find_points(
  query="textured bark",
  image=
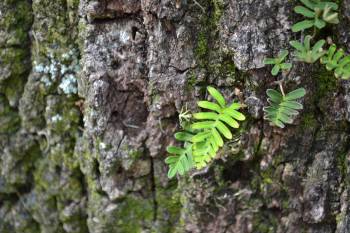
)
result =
(90, 92)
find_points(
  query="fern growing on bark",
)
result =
(278, 63)
(283, 108)
(337, 61)
(204, 137)
(318, 14)
(306, 53)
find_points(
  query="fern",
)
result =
(180, 159)
(282, 107)
(305, 53)
(203, 138)
(319, 13)
(213, 126)
(278, 63)
(337, 61)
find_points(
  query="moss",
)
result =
(169, 207)
(208, 33)
(224, 69)
(325, 83)
(16, 60)
(133, 215)
(264, 222)
(342, 165)
(9, 118)
(308, 121)
(217, 63)
(16, 21)
(202, 49)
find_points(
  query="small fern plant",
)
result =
(305, 53)
(318, 14)
(205, 135)
(283, 108)
(278, 63)
(337, 61)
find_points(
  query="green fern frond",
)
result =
(180, 160)
(204, 137)
(318, 14)
(213, 126)
(278, 63)
(305, 53)
(283, 108)
(337, 60)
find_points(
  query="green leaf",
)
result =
(292, 105)
(174, 150)
(297, 45)
(235, 114)
(307, 44)
(234, 106)
(286, 66)
(275, 70)
(282, 55)
(199, 137)
(309, 4)
(217, 96)
(203, 125)
(183, 136)
(318, 47)
(209, 105)
(172, 172)
(228, 120)
(217, 137)
(206, 116)
(269, 61)
(274, 95)
(302, 25)
(319, 23)
(304, 11)
(224, 130)
(331, 5)
(296, 94)
(171, 159)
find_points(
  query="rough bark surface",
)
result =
(90, 92)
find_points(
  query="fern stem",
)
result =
(314, 33)
(281, 88)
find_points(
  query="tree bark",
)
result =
(90, 94)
